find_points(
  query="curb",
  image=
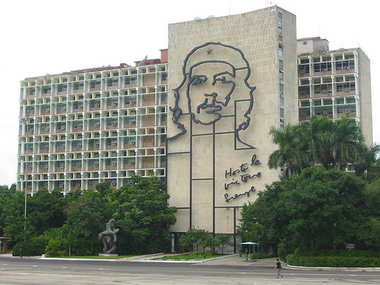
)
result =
(359, 269)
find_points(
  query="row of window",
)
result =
(326, 67)
(99, 75)
(337, 101)
(76, 87)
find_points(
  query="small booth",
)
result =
(250, 247)
(4, 245)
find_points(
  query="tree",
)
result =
(5, 196)
(369, 232)
(13, 219)
(86, 218)
(317, 209)
(201, 238)
(223, 241)
(141, 211)
(370, 163)
(46, 210)
(334, 144)
(290, 155)
(347, 143)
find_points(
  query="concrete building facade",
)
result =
(233, 79)
(334, 83)
(95, 125)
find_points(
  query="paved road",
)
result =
(39, 271)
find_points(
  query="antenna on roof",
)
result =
(143, 61)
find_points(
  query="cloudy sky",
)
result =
(55, 36)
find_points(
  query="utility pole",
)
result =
(25, 215)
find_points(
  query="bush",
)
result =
(32, 247)
(336, 252)
(57, 248)
(332, 261)
(282, 250)
(199, 254)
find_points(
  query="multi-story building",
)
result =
(231, 80)
(334, 83)
(80, 128)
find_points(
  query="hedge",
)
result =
(332, 261)
(32, 247)
(336, 252)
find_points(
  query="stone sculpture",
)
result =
(109, 238)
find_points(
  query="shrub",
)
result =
(282, 250)
(199, 254)
(56, 248)
(336, 252)
(32, 247)
(332, 261)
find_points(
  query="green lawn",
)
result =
(92, 257)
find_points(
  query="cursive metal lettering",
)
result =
(244, 178)
(228, 198)
(231, 183)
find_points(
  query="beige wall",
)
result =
(365, 96)
(211, 152)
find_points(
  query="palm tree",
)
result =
(347, 143)
(315, 134)
(289, 155)
(319, 141)
(369, 160)
(224, 240)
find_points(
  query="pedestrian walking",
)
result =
(278, 268)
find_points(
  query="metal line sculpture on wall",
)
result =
(214, 98)
(206, 70)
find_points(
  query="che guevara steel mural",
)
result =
(214, 89)
(207, 109)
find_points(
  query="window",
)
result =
(281, 64)
(303, 69)
(279, 20)
(164, 76)
(46, 90)
(78, 85)
(130, 80)
(305, 103)
(95, 84)
(327, 102)
(340, 101)
(281, 90)
(280, 50)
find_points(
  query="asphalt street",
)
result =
(43, 271)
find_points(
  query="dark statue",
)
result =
(109, 238)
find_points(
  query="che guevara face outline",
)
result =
(209, 90)
(208, 107)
